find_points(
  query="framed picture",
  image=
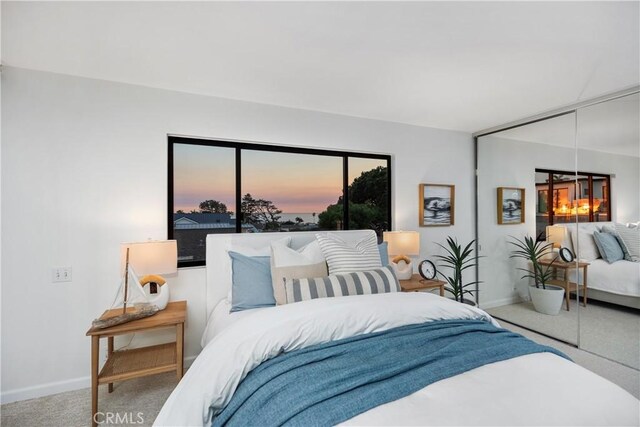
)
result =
(436, 205)
(510, 205)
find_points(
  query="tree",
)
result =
(213, 206)
(371, 188)
(299, 220)
(368, 203)
(361, 216)
(179, 211)
(260, 212)
(328, 219)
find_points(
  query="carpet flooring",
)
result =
(73, 409)
(147, 395)
(605, 329)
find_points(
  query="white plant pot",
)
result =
(547, 301)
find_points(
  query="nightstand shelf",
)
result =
(127, 364)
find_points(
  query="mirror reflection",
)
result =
(524, 282)
(607, 236)
(570, 269)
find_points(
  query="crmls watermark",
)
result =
(119, 418)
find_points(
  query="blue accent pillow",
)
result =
(251, 282)
(383, 248)
(608, 246)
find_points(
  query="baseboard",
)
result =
(500, 302)
(48, 389)
(44, 389)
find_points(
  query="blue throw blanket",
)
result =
(329, 383)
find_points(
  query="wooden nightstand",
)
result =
(417, 283)
(138, 362)
(564, 282)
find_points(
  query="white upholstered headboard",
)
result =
(219, 263)
(587, 227)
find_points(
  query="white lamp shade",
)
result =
(556, 235)
(402, 242)
(152, 257)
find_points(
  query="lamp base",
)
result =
(159, 299)
(403, 269)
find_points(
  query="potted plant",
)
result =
(546, 298)
(457, 260)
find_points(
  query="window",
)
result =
(233, 187)
(563, 197)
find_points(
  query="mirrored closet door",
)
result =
(527, 189)
(607, 239)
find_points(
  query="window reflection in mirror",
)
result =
(563, 198)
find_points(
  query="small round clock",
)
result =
(427, 270)
(566, 254)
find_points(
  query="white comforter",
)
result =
(621, 277)
(535, 389)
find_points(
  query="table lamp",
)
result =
(148, 260)
(556, 235)
(402, 245)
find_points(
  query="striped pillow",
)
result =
(631, 240)
(381, 280)
(344, 258)
(611, 229)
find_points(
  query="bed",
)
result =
(538, 388)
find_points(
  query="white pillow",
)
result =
(283, 256)
(253, 251)
(260, 251)
(631, 239)
(287, 263)
(585, 247)
(345, 258)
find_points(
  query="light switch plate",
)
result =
(61, 274)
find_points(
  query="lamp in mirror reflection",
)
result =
(556, 235)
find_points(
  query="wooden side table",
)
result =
(417, 283)
(568, 286)
(126, 364)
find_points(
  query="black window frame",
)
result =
(239, 146)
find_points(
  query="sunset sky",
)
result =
(295, 183)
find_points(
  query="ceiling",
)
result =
(610, 127)
(452, 65)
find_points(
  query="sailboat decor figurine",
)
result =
(138, 311)
(149, 294)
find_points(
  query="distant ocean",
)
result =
(306, 217)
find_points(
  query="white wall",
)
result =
(510, 163)
(84, 167)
